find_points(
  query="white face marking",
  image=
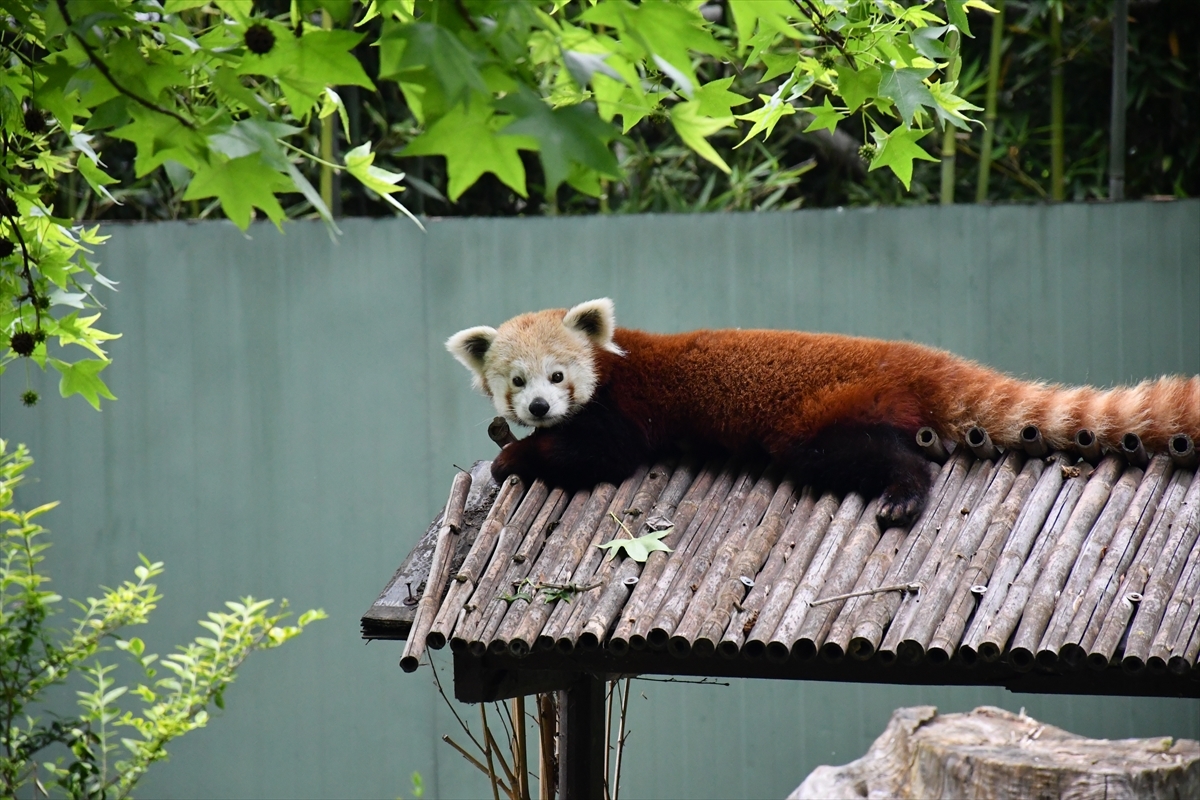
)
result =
(539, 392)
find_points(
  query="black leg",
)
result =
(874, 460)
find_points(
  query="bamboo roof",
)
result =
(1038, 574)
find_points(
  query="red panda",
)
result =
(842, 411)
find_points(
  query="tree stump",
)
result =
(993, 753)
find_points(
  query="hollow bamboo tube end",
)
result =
(435, 640)
(1156, 664)
(968, 654)
(587, 642)
(832, 652)
(476, 649)
(861, 648)
(1087, 445)
(980, 443)
(678, 646)
(1022, 659)
(938, 656)
(910, 652)
(497, 647)
(543, 643)
(409, 663)
(657, 638)
(1032, 441)
(499, 432)
(989, 652)
(728, 649)
(518, 648)
(778, 652)
(1132, 665)
(931, 444)
(637, 642)
(1178, 665)
(1097, 661)
(804, 650)
(1046, 658)
(704, 648)
(1182, 450)
(618, 646)
(565, 646)
(1072, 655)
(1133, 450)
(754, 649)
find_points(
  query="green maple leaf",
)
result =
(906, 87)
(770, 17)
(638, 549)
(83, 378)
(73, 330)
(716, 100)
(305, 66)
(956, 12)
(856, 87)
(564, 136)
(897, 150)
(241, 184)
(692, 126)
(767, 117)
(473, 142)
(949, 105)
(434, 68)
(825, 116)
(160, 138)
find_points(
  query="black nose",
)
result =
(539, 407)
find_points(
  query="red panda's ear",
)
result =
(596, 320)
(471, 346)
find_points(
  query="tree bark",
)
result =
(995, 754)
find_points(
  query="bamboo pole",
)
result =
(576, 556)
(768, 494)
(636, 518)
(484, 598)
(1120, 550)
(1088, 445)
(980, 443)
(645, 605)
(779, 645)
(1053, 575)
(740, 577)
(948, 526)
(777, 594)
(1173, 632)
(1184, 529)
(1056, 103)
(989, 642)
(1133, 450)
(464, 581)
(512, 568)
(517, 627)
(1069, 625)
(619, 586)
(842, 577)
(1032, 441)
(948, 140)
(989, 112)
(688, 578)
(547, 737)
(439, 572)
(1120, 70)
(1111, 632)
(744, 618)
(968, 596)
(631, 607)
(931, 444)
(874, 616)
(1182, 450)
(869, 582)
(520, 759)
(1017, 545)
(929, 606)
(1067, 599)
(1186, 658)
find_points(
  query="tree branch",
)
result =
(107, 73)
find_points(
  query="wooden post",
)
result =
(581, 740)
(1116, 125)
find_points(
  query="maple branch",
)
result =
(107, 73)
(833, 37)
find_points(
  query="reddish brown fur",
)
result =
(778, 387)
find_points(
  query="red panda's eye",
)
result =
(556, 377)
(518, 382)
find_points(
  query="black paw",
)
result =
(900, 505)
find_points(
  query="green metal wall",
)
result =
(288, 423)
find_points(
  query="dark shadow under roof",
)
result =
(1034, 574)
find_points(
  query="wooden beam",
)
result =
(581, 740)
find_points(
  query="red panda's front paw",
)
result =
(900, 505)
(502, 467)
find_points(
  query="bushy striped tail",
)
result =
(1154, 410)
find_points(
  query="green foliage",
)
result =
(638, 548)
(110, 747)
(219, 98)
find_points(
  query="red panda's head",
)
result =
(539, 368)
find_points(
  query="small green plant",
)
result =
(110, 747)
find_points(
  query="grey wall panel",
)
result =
(289, 421)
